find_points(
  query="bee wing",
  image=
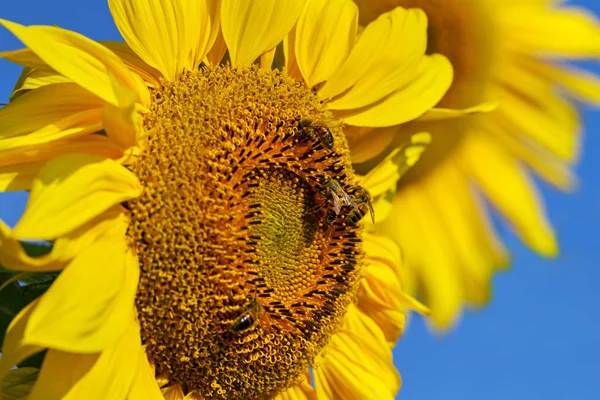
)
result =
(349, 201)
(337, 203)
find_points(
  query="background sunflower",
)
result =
(542, 317)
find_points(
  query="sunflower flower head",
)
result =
(511, 58)
(197, 187)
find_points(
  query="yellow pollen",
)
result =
(243, 277)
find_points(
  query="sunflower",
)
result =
(511, 52)
(197, 189)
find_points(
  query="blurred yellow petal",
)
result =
(427, 254)
(508, 188)
(160, 32)
(71, 190)
(91, 303)
(538, 115)
(580, 83)
(387, 173)
(78, 58)
(251, 28)
(325, 34)
(144, 385)
(568, 32)
(108, 375)
(15, 178)
(436, 114)
(13, 349)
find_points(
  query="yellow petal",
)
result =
(437, 114)
(379, 294)
(160, 32)
(19, 168)
(78, 58)
(136, 65)
(300, 391)
(579, 82)
(325, 33)
(15, 178)
(385, 175)
(217, 52)
(427, 86)
(123, 124)
(468, 234)
(387, 79)
(91, 303)
(251, 28)
(41, 109)
(13, 349)
(71, 190)
(357, 363)
(508, 187)
(69, 127)
(108, 375)
(36, 78)
(25, 57)
(64, 249)
(145, 386)
(428, 257)
(266, 59)
(173, 392)
(531, 108)
(289, 54)
(542, 161)
(564, 32)
(366, 143)
(39, 154)
(205, 30)
(18, 383)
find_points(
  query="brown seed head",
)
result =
(233, 212)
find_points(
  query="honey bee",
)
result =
(363, 204)
(249, 317)
(333, 189)
(313, 129)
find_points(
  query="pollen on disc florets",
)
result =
(233, 216)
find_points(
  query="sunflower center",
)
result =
(247, 266)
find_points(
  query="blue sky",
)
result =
(540, 336)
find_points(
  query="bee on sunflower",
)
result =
(198, 191)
